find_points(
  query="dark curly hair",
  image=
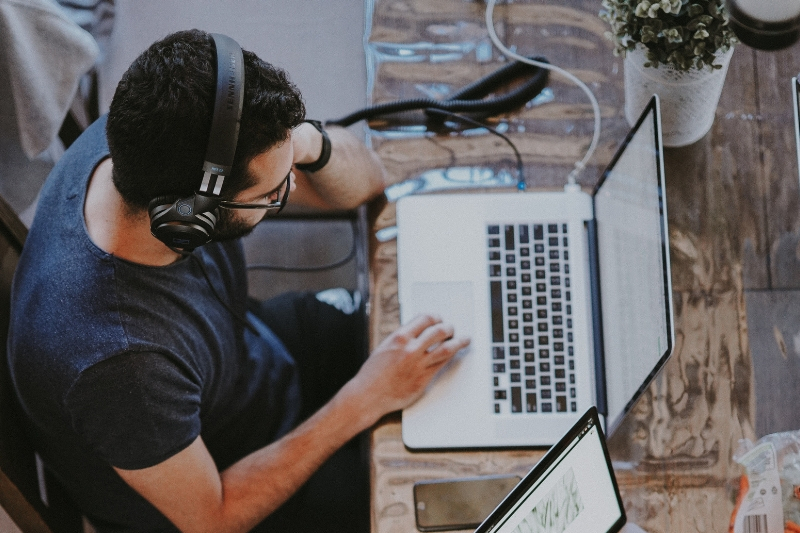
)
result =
(160, 117)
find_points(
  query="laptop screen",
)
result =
(633, 262)
(796, 107)
(572, 489)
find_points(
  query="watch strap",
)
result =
(324, 155)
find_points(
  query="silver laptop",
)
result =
(796, 107)
(566, 297)
(572, 488)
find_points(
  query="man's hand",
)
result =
(400, 368)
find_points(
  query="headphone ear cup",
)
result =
(159, 204)
(183, 223)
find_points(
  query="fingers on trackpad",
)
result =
(451, 300)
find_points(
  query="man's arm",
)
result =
(190, 491)
(353, 175)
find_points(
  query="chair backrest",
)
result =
(21, 481)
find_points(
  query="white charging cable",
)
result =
(579, 165)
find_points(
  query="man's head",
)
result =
(160, 117)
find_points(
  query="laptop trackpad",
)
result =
(451, 300)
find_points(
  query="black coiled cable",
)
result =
(470, 99)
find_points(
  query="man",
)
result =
(148, 388)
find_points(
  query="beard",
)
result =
(229, 227)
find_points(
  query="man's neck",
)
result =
(117, 229)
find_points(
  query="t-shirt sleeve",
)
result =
(136, 410)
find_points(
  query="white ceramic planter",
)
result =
(688, 98)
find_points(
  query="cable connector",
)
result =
(572, 178)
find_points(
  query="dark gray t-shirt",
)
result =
(119, 364)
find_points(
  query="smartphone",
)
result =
(444, 505)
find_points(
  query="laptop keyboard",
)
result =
(533, 364)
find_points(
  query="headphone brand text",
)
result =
(231, 81)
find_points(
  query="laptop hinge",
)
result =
(597, 319)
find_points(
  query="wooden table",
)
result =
(732, 202)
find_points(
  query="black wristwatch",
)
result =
(324, 155)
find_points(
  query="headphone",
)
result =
(183, 224)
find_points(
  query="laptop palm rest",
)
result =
(454, 303)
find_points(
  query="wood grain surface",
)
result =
(732, 204)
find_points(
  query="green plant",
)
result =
(683, 34)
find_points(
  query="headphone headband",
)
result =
(228, 101)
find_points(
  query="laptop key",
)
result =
(509, 234)
(561, 404)
(530, 402)
(516, 399)
(523, 233)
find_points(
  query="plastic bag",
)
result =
(769, 492)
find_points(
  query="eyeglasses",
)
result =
(273, 208)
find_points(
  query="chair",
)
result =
(25, 483)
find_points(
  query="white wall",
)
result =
(319, 42)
